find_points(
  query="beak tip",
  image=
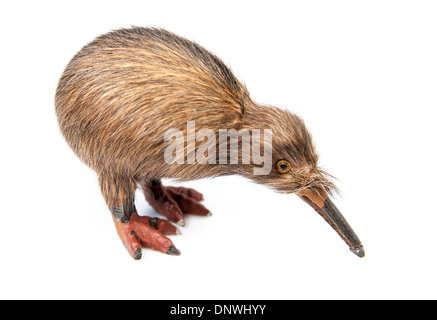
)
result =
(359, 251)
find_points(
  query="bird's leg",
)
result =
(135, 231)
(174, 202)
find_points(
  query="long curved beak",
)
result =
(320, 202)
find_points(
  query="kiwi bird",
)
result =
(119, 95)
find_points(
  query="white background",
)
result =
(363, 74)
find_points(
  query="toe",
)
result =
(164, 203)
(189, 192)
(133, 245)
(153, 239)
(191, 205)
(129, 238)
(162, 225)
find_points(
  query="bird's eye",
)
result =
(283, 166)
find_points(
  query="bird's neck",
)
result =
(257, 116)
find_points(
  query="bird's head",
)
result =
(294, 167)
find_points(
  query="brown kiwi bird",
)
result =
(121, 93)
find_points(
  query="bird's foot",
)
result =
(174, 202)
(146, 232)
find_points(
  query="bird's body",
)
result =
(123, 91)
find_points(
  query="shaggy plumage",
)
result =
(122, 91)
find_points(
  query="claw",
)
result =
(173, 251)
(138, 254)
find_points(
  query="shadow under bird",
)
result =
(122, 91)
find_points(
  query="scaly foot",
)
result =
(174, 202)
(146, 232)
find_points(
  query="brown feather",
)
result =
(124, 90)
